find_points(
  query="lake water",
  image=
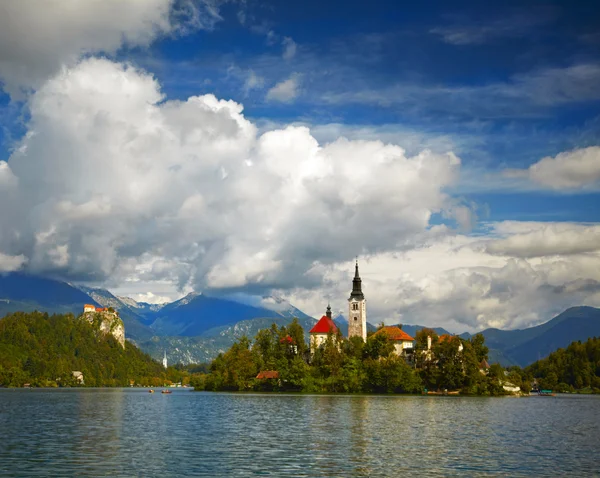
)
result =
(130, 432)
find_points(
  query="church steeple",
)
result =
(357, 308)
(357, 285)
(328, 313)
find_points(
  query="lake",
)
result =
(130, 432)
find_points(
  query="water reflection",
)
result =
(130, 432)
(99, 422)
(360, 437)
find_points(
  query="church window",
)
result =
(355, 318)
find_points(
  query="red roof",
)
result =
(324, 326)
(443, 338)
(484, 364)
(266, 374)
(85, 306)
(395, 333)
(286, 339)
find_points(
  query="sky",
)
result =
(256, 149)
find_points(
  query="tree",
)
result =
(479, 347)
(378, 345)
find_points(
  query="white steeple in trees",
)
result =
(357, 309)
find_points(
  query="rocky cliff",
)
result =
(107, 322)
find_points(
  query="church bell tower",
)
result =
(357, 309)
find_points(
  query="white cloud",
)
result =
(451, 281)
(480, 32)
(527, 239)
(114, 185)
(289, 48)
(568, 170)
(36, 38)
(286, 91)
(114, 182)
(150, 298)
(525, 94)
(11, 263)
(253, 81)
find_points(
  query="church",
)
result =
(357, 316)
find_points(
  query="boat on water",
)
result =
(150, 391)
(543, 393)
(166, 391)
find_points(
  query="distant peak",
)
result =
(188, 298)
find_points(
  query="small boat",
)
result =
(166, 391)
(542, 393)
(546, 393)
(150, 391)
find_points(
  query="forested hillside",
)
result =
(44, 350)
(573, 368)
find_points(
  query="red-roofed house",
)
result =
(444, 337)
(318, 334)
(484, 367)
(268, 375)
(92, 308)
(403, 343)
(291, 344)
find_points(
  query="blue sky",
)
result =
(499, 86)
(495, 82)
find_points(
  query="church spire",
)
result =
(357, 285)
(328, 313)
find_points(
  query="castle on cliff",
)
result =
(107, 320)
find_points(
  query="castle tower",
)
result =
(357, 309)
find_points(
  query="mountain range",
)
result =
(198, 327)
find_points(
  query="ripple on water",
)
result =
(129, 432)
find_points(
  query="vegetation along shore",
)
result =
(40, 350)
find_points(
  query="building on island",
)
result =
(357, 309)
(268, 375)
(325, 326)
(403, 343)
(107, 320)
(92, 308)
(291, 344)
(444, 337)
(78, 376)
(484, 367)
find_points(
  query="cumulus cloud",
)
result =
(568, 170)
(285, 91)
(36, 38)
(112, 181)
(115, 184)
